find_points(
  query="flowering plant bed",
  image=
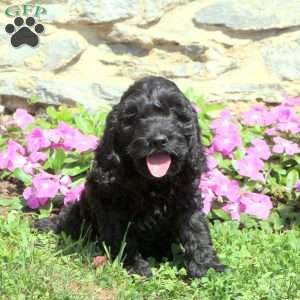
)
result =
(253, 158)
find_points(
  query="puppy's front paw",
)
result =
(218, 267)
(45, 225)
(141, 267)
(198, 270)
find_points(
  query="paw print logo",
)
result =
(24, 33)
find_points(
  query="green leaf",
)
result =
(297, 159)
(249, 135)
(213, 109)
(52, 113)
(22, 176)
(78, 181)
(205, 141)
(291, 178)
(224, 163)
(71, 159)
(285, 210)
(57, 159)
(4, 174)
(74, 171)
(85, 125)
(194, 97)
(239, 153)
(248, 221)
(294, 242)
(45, 211)
(221, 214)
(266, 226)
(43, 124)
(66, 114)
(276, 220)
(278, 169)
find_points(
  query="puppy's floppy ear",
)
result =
(107, 154)
(196, 158)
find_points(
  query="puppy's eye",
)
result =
(130, 111)
(158, 104)
(182, 115)
(129, 114)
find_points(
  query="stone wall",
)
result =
(92, 50)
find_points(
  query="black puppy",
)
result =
(144, 182)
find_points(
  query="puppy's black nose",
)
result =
(159, 140)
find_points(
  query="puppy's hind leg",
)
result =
(69, 220)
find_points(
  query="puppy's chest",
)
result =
(154, 211)
(143, 201)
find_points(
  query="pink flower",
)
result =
(53, 135)
(272, 131)
(30, 167)
(257, 205)
(208, 179)
(234, 208)
(12, 157)
(37, 140)
(65, 184)
(208, 198)
(224, 186)
(260, 149)
(292, 126)
(17, 161)
(211, 162)
(68, 134)
(45, 185)
(68, 138)
(56, 136)
(214, 184)
(38, 156)
(32, 200)
(285, 146)
(284, 114)
(254, 204)
(258, 115)
(228, 188)
(298, 185)
(250, 166)
(73, 194)
(4, 159)
(33, 160)
(291, 101)
(22, 118)
(65, 180)
(84, 143)
(223, 124)
(287, 119)
(227, 136)
(13, 146)
(226, 143)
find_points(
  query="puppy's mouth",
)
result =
(158, 164)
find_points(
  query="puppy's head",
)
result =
(156, 128)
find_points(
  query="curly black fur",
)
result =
(152, 116)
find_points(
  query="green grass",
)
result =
(265, 265)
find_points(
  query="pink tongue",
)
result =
(158, 164)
